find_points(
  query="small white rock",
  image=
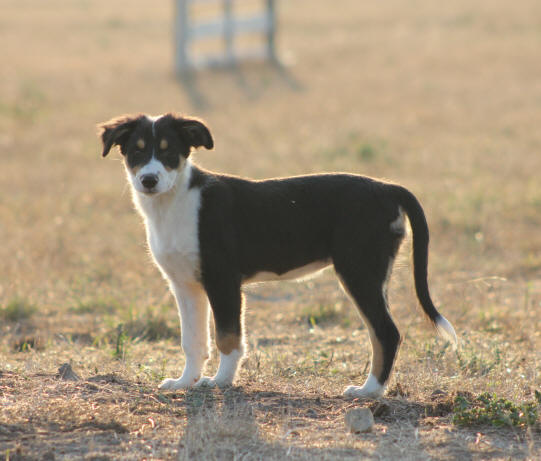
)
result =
(359, 420)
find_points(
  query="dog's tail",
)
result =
(419, 228)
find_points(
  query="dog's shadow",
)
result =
(219, 426)
(225, 424)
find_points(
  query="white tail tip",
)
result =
(446, 331)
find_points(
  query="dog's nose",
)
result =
(149, 180)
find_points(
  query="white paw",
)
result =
(171, 384)
(358, 392)
(371, 389)
(206, 381)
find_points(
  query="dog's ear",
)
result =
(117, 131)
(194, 131)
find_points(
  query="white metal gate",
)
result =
(226, 26)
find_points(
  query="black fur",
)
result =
(277, 225)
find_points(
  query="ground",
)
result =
(441, 97)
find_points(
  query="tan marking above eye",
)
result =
(164, 144)
(141, 143)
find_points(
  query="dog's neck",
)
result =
(152, 206)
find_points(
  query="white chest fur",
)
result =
(171, 221)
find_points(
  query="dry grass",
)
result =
(444, 98)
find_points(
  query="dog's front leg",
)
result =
(194, 317)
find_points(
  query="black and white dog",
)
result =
(211, 233)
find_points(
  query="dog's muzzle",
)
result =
(149, 181)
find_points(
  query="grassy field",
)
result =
(443, 97)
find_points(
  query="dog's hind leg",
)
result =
(193, 309)
(367, 287)
(226, 301)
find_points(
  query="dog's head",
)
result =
(155, 149)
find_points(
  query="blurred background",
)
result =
(444, 98)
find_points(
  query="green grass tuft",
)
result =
(366, 152)
(152, 325)
(488, 409)
(133, 327)
(17, 309)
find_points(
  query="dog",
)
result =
(211, 233)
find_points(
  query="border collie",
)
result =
(210, 233)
